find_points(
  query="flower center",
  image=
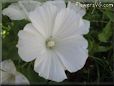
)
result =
(50, 43)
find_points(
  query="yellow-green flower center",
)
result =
(50, 43)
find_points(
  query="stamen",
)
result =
(50, 43)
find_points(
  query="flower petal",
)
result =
(60, 4)
(77, 8)
(8, 66)
(66, 23)
(73, 53)
(5, 78)
(30, 43)
(43, 18)
(28, 6)
(14, 12)
(20, 10)
(83, 27)
(21, 79)
(49, 67)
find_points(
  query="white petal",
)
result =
(20, 10)
(5, 78)
(14, 12)
(84, 27)
(50, 67)
(30, 43)
(66, 23)
(60, 4)
(43, 18)
(8, 66)
(77, 8)
(73, 53)
(21, 79)
(28, 6)
(76, 40)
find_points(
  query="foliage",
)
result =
(99, 65)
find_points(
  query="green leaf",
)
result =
(109, 14)
(106, 33)
(103, 48)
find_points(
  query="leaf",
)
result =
(103, 48)
(106, 33)
(109, 14)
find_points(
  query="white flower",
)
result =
(20, 10)
(54, 39)
(9, 75)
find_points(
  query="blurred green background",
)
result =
(99, 66)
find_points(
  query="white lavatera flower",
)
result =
(54, 39)
(9, 75)
(21, 9)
